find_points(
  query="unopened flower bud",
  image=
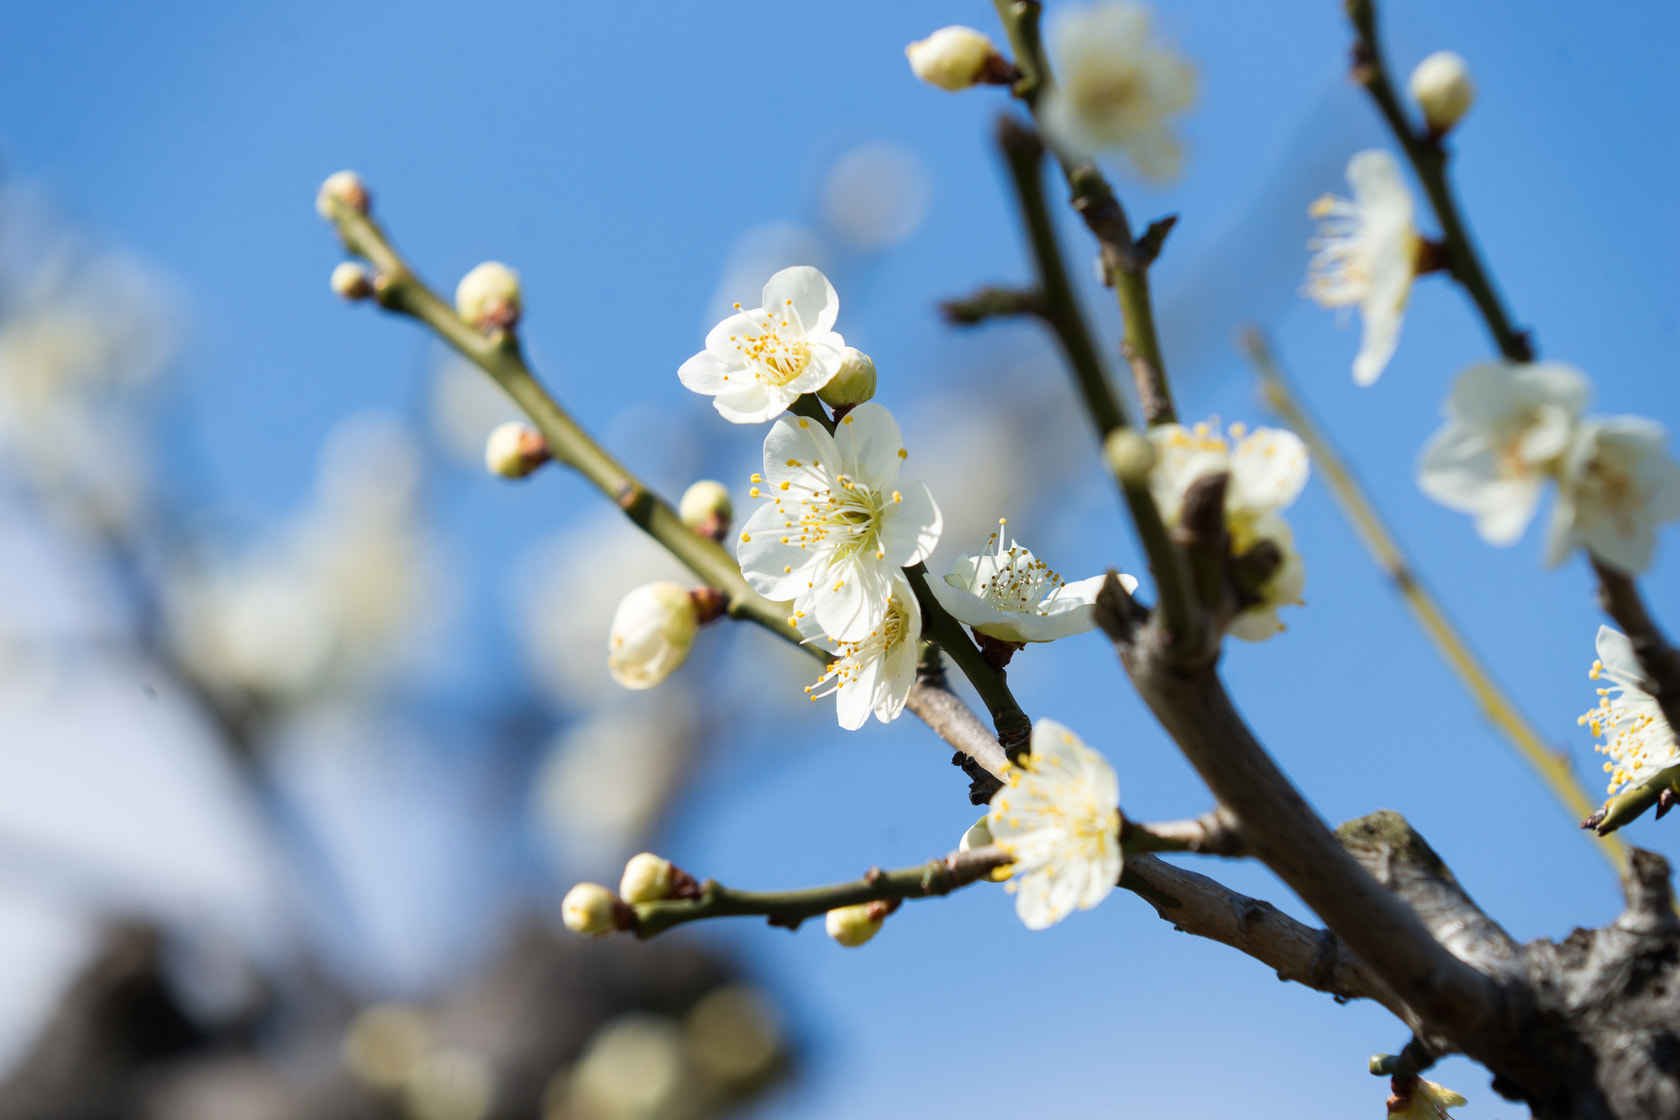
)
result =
(647, 878)
(854, 925)
(1130, 456)
(652, 632)
(980, 836)
(590, 909)
(488, 297)
(352, 281)
(955, 58)
(1441, 83)
(854, 384)
(345, 188)
(707, 509)
(514, 451)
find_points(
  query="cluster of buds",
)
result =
(594, 911)
(958, 57)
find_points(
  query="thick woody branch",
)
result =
(979, 753)
(1211, 834)
(1195, 903)
(790, 908)
(1277, 825)
(1397, 857)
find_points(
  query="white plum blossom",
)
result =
(1507, 428)
(1614, 488)
(1011, 595)
(840, 522)
(1367, 253)
(1636, 736)
(758, 362)
(876, 672)
(1116, 87)
(1058, 818)
(652, 633)
(1268, 468)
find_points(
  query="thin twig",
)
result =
(1368, 525)
(1014, 728)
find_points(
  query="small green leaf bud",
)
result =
(853, 384)
(488, 297)
(1441, 84)
(514, 451)
(352, 281)
(345, 188)
(590, 909)
(647, 878)
(852, 926)
(707, 509)
(955, 58)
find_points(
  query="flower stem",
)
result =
(789, 908)
(941, 628)
(1379, 541)
(498, 354)
(1429, 160)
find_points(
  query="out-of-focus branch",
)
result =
(1429, 159)
(789, 908)
(1277, 825)
(1361, 512)
(1125, 261)
(992, 303)
(1212, 834)
(498, 354)
(1024, 152)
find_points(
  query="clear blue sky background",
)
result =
(613, 153)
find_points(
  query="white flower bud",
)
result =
(488, 296)
(652, 632)
(953, 57)
(647, 878)
(854, 925)
(980, 836)
(590, 909)
(1130, 456)
(514, 451)
(347, 189)
(853, 384)
(352, 281)
(1441, 83)
(707, 509)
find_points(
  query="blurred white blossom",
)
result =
(634, 1068)
(325, 602)
(1615, 487)
(1116, 87)
(875, 195)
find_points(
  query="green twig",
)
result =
(1429, 160)
(1025, 153)
(398, 289)
(790, 908)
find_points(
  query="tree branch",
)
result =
(1212, 834)
(1014, 728)
(790, 908)
(1275, 823)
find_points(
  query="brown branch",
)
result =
(1281, 829)
(978, 751)
(1211, 834)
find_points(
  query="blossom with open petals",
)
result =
(1614, 488)
(1267, 468)
(1636, 735)
(1116, 87)
(758, 362)
(1367, 251)
(876, 672)
(1425, 1100)
(1058, 817)
(1011, 595)
(840, 521)
(1507, 428)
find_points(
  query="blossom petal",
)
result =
(1268, 470)
(851, 601)
(1616, 651)
(752, 403)
(708, 373)
(911, 526)
(808, 292)
(869, 437)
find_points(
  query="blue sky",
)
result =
(614, 154)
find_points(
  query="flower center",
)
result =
(1012, 579)
(842, 518)
(853, 657)
(774, 349)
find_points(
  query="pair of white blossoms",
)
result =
(840, 523)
